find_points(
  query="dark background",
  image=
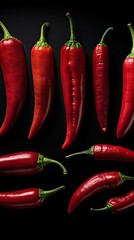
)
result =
(90, 21)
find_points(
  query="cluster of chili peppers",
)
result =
(72, 69)
(105, 180)
(100, 182)
(109, 179)
(25, 163)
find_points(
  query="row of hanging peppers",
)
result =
(73, 79)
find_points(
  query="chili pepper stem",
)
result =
(88, 152)
(48, 160)
(106, 208)
(72, 35)
(5, 31)
(124, 177)
(103, 36)
(42, 41)
(43, 194)
(72, 42)
(132, 35)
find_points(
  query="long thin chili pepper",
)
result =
(118, 204)
(72, 68)
(42, 61)
(126, 117)
(94, 184)
(26, 198)
(14, 71)
(25, 163)
(101, 81)
(107, 152)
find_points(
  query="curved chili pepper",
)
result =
(107, 152)
(25, 163)
(94, 184)
(72, 68)
(42, 60)
(118, 204)
(126, 118)
(26, 198)
(14, 70)
(101, 81)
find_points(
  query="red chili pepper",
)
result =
(26, 198)
(118, 204)
(42, 60)
(25, 162)
(94, 184)
(72, 67)
(107, 152)
(101, 81)
(126, 118)
(14, 71)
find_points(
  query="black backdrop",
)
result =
(90, 21)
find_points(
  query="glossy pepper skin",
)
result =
(26, 198)
(72, 68)
(42, 62)
(126, 117)
(101, 81)
(25, 163)
(14, 71)
(94, 184)
(107, 152)
(118, 204)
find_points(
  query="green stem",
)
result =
(42, 41)
(103, 36)
(43, 161)
(88, 152)
(72, 35)
(43, 194)
(132, 35)
(5, 31)
(124, 177)
(72, 42)
(106, 208)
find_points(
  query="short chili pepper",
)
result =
(26, 198)
(14, 71)
(107, 152)
(25, 163)
(72, 68)
(118, 204)
(94, 184)
(42, 62)
(126, 117)
(101, 81)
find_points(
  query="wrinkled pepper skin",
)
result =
(14, 71)
(126, 117)
(72, 68)
(42, 62)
